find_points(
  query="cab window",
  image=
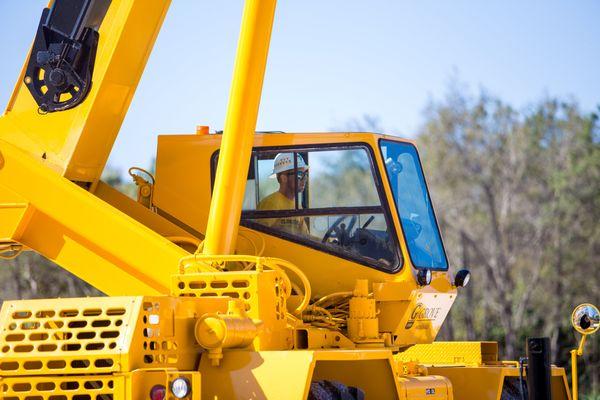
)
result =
(325, 198)
(413, 204)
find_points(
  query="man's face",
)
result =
(287, 179)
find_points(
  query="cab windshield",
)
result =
(324, 197)
(414, 205)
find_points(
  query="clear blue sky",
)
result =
(333, 60)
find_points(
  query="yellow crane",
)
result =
(253, 265)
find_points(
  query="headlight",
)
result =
(180, 388)
(424, 277)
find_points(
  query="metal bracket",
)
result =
(60, 66)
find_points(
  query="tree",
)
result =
(518, 198)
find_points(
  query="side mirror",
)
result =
(586, 319)
(462, 278)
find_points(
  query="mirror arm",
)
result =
(574, 386)
(574, 354)
(581, 344)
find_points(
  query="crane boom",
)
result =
(242, 111)
(48, 160)
(79, 231)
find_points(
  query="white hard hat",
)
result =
(285, 162)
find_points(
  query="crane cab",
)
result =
(347, 206)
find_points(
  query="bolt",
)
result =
(57, 77)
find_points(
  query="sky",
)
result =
(332, 61)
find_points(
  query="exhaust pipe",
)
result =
(538, 368)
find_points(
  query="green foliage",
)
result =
(592, 396)
(31, 276)
(115, 178)
(517, 194)
(342, 178)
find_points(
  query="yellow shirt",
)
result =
(278, 201)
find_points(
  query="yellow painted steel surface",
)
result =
(76, 143)
(262, 294)
(176, 196)
(425, 388)
(402, 304)
(133, 385)
(123, 346)
(287, 374)
(487, 382)
(99, 335)
(450, 353)
(143, 215)
(80, 232)
(139, 383)
(14, 219)
(99, 386)
(111, 347)
(240, 124)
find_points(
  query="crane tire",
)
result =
(333, 390)
(511, 389)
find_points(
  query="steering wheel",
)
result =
(371, 218)
(340, 231)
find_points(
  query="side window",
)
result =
(325, 198)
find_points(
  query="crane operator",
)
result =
(291, 182)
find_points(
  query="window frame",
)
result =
(384, 208)
(437, 225)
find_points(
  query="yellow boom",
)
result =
(50, 165)
(240, 124)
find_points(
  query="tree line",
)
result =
(517, 195)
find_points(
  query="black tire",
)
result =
(511, 390)
(333, 390)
